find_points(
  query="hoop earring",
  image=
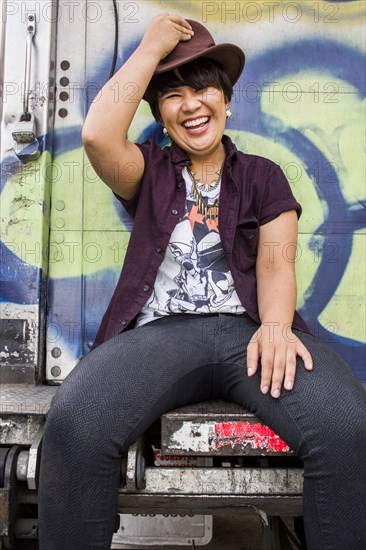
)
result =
(165, 132)
(229, 114)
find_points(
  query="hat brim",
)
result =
(230, 57)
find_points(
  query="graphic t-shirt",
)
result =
(194, 276)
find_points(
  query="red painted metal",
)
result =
(253, 434)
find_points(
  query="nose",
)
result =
(191, 101)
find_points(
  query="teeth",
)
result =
(197, 122)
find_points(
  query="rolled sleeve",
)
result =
(277, 197)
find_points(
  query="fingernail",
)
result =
(250, 371)
(265, 389)
(276, 393)
(288, 385)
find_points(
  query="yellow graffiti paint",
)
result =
(25, 212)
(81, 205)
(249, 12)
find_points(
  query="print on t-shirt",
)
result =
(194, 276)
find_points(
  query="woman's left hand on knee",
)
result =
(276, 347)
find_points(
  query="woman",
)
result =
(205, 307)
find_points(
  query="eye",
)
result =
(207, 90)
(174, 92)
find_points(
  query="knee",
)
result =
(71, 420)
(62, 425)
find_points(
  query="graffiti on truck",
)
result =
(300, 102)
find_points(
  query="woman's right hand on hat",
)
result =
(164, 32)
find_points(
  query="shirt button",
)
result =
(124, 323)
(179, 185)
(146, 288)
(158, 249)
(175, 212)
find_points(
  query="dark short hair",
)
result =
(197, 74)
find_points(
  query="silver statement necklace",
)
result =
(206, 187)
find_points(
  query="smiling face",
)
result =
(195, 119)
(191, 102)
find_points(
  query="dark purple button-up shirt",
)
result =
(253, 192)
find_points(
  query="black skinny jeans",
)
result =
(115, 393)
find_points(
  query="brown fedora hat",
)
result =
(202, 44)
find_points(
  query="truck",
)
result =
(300, 102)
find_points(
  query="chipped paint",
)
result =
(29, 313)
(194, 436)
(7, 355)
(19, 429)
(7, 424)
(243, 437)
(20, 202)
(223, 481)
(256, 435)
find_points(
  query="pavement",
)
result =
(229, 532)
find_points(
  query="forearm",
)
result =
(276, 292)
(277, 347)
(114, 107)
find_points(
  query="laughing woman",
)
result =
(200, 311)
